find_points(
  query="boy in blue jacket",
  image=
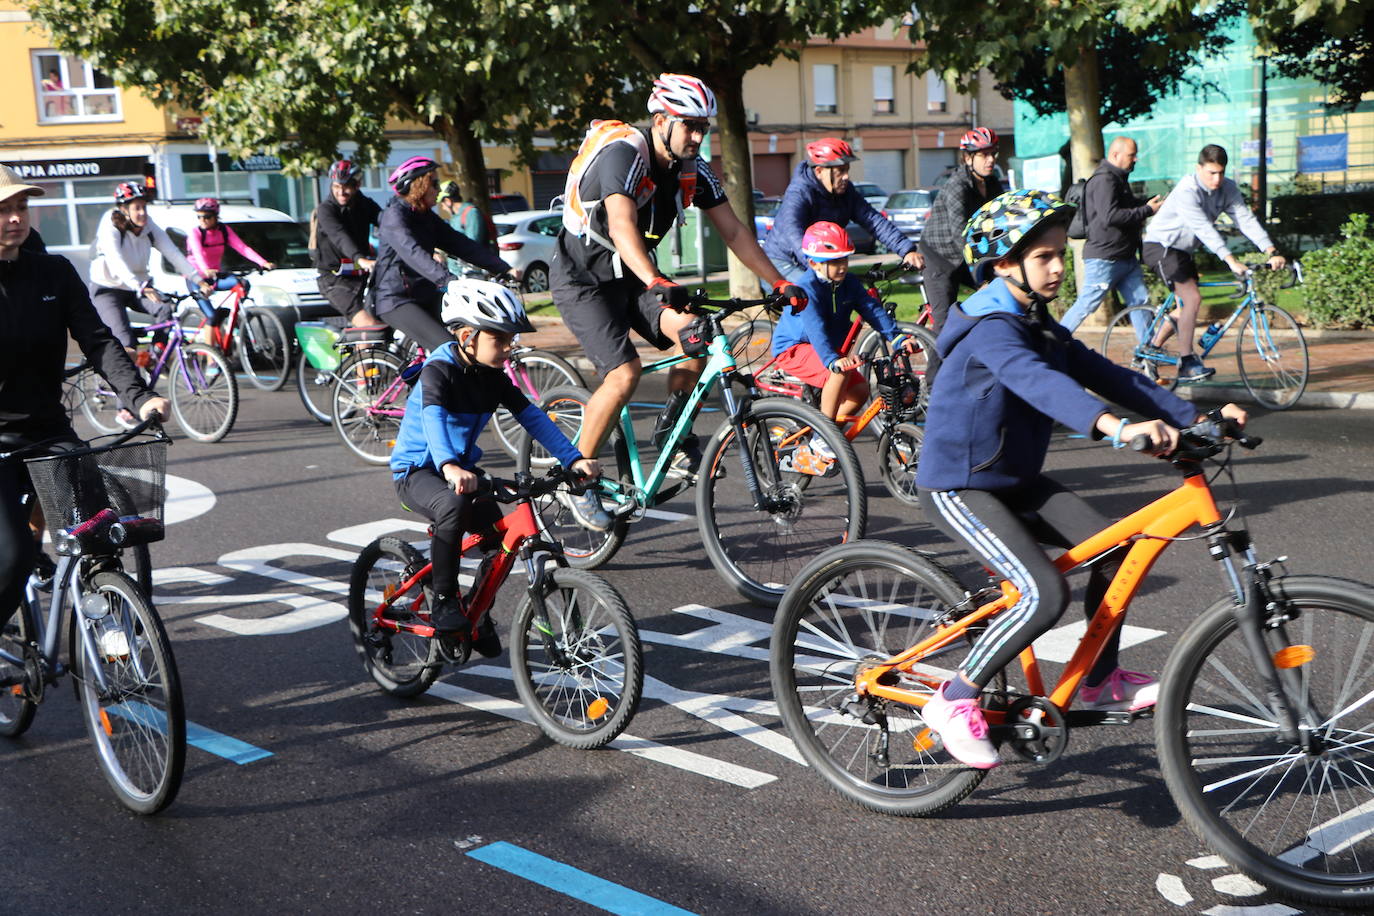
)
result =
(806, 345)
(1009, 372)
(434, 462)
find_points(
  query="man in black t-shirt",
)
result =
(604, 278)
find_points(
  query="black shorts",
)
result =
(344, 293)
(1173, 264)
(602, 316)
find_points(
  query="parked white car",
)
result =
(526, 240)
(291, 287)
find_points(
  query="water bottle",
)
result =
(1210, 335)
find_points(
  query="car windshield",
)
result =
(284, 244)
(766, 207)
(868, 189)
(909, 200)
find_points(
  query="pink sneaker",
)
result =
(1122, 690)
(962, 728)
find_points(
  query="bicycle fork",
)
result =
(734, 410)
(537, 559)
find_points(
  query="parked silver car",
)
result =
(871, 193)
(526, 241)
(909, 209)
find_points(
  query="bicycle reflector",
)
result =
(1293, 656)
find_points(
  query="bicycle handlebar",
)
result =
(1203, 439)
(118, 439)
(527, 486)
(724, 307)
(882, 273)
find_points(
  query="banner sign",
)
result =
(1249, 152)
(258, 163)
(1323, 153)
(58, 169)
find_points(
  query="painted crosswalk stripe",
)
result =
(207, 739)
(572, 882)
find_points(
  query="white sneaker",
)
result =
(962, 728)
(1122, 690)
(821, 449)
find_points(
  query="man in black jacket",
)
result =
(1115, 219)
(343, 254)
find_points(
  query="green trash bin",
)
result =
(683, 258)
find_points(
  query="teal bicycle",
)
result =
(767, 501)
(1271, 353)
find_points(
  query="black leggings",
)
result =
(1005, 530)
(113, 305)
(941, 281)
(419, 323)
(17, 547)
(428, 493)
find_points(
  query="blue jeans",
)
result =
(223, 283)
(1101, 277)
(790, 272)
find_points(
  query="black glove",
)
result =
(669, 294)
(791, 294)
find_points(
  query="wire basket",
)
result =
(88, 492)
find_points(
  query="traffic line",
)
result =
(572, 882)
(207, 739)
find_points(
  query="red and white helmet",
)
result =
(829, 151)
(978, 140)
(127, 191)
(682, 97)
(207, 205)
(825, 241)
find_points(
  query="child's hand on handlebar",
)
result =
(1237, 413)
(587, 467)
(461, 479)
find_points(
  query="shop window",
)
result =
(69, 89)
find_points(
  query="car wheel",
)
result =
(536, 278)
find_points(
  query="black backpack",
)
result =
(1078, 226)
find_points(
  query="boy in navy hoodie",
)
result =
(1010, 371)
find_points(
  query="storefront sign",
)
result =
(1249, 152)
(58, 169)
(1323, 153)
(257, 164)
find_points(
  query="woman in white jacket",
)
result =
(119, 272)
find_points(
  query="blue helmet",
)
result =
(1006, 224)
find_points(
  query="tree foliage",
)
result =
(1344, 62)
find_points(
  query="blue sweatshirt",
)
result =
(451, 405)
(806, 201)
(826, 319)
(1004, 379)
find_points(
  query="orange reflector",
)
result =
(389, 592)
(371, 373)
(598, 708)
(105, 723)
(17, 690)
(1293, 656)
(925, 740)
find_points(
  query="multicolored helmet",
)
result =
(484, 305)
(826, 241)
(829, 151)
(978, 140)
(1005, 225)
(345, 171)
(127, 191)
(450, 190)
(408, 171)
(207, 205)
(682, 97)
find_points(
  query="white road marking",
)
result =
(306, 613)
(665, 515)
(731, 635)
(362, 535)
(1267, 909)
(1207, 862)
(186, 499)
(1058, 645)
(173, 574)
(1237, 886)
(1171, 888)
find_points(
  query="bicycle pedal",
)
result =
(455, 650)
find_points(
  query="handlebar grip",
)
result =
(1140, 442)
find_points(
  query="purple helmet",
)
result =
(408, 171)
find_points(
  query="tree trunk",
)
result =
(739, 174)
(469, 161)
(1083, 100)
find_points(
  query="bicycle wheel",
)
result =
(752, 343)
(402, 664)
(1295, 818)
(757, 550)
(1122, 339)
(1271, 355)
(853, 605)
(583, 547)
(899, 450)
(264, 350)
(922, 355)
(99, 403)
(367, 404)
(205, 394)
(580, 669)
(136, 719)
(316, 388)
(535, 373)
(16, 711)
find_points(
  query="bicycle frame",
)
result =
(222, 336)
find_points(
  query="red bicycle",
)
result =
(575, 652)
(251, 334)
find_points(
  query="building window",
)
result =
(823, 77)
(884, 96)
(936, 99)
(69, 89)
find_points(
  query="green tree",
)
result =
(1343, 60)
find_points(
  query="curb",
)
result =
(1341, 400)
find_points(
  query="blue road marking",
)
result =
(655, 405)
(207, 739)
(611, 897)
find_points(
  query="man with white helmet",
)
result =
(434, 462)
(625, 189)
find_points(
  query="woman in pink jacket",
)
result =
(206, 244)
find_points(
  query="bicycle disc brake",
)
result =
(35, 675)
(1039, 733)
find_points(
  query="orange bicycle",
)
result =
(1265, 720)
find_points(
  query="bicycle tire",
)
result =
(99, 402)
(264, 350)
(1232, 776)
(1271, 354)
(856, 603)
(899, 451)
(758, 551)
(582, 547)
(585, 691)
(16, 710)
(544, 371)
(752, 343)
(366, 385)
(138, 724)
(922, 356)
(316, 389)
(204, 394)
(389, 562)
(1120, 340)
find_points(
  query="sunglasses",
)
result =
(694, 126)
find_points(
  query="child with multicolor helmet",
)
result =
(435, 461)
(807, 344)
(1009, 372)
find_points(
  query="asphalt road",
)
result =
(371, 804)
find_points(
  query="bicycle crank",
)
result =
(1038, 731)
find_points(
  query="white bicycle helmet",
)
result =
(682, 96)
(484, 305)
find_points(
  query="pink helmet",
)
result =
(207, 205)
(978, 140)
(408, 171)
(826, 241)
(682, 97)
(829, 151)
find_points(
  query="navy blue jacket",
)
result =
(806, 201)
(1005, 378)
(452, 403)
(828, 314)
(406, 270)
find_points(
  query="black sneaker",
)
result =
(1191, 369)
(487, 642)
(448, 616)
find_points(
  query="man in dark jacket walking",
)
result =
(1114, 218)
(343, 254)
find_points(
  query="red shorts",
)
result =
(801, 360)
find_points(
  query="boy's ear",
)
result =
(1006, 264)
